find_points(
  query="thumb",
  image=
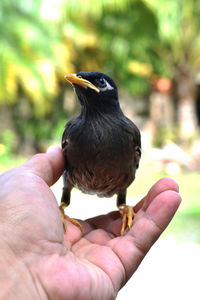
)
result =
(49, 166)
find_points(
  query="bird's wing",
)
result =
(137, 155)
(136, 138)
(65, 136)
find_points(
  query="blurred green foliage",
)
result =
(166, 134)
(134, 41)
(7, 159)
(23, 43)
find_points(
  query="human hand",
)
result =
(39, 261)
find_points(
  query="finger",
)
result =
(103, 221)
(155, 219)
(160, 186)
(49, 166)
(112, 221)
(132, 247)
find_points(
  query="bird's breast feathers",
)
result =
(101, 160)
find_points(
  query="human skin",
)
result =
(39, 261)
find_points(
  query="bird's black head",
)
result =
(96, 91)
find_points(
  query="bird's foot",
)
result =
(128, 214)
(64, 217)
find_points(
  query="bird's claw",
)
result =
(64, 217)
(128, 214)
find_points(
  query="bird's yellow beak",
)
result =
(73, 78)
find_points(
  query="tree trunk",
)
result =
(187, 118)
(185, 90)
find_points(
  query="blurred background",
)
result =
(151, 48)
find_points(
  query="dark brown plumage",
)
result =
(101, 146)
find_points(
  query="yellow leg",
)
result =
(64, 216)
(128, 214)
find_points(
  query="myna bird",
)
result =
(101, 146)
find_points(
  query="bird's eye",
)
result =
(102, 82)
(79, 76)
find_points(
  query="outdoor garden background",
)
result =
(151, 48)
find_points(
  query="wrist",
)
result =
(16, 280)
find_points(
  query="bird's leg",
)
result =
(65, 201)
(126, 211)
(62, 207)
(62, 214)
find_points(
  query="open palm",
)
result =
(93, 264)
